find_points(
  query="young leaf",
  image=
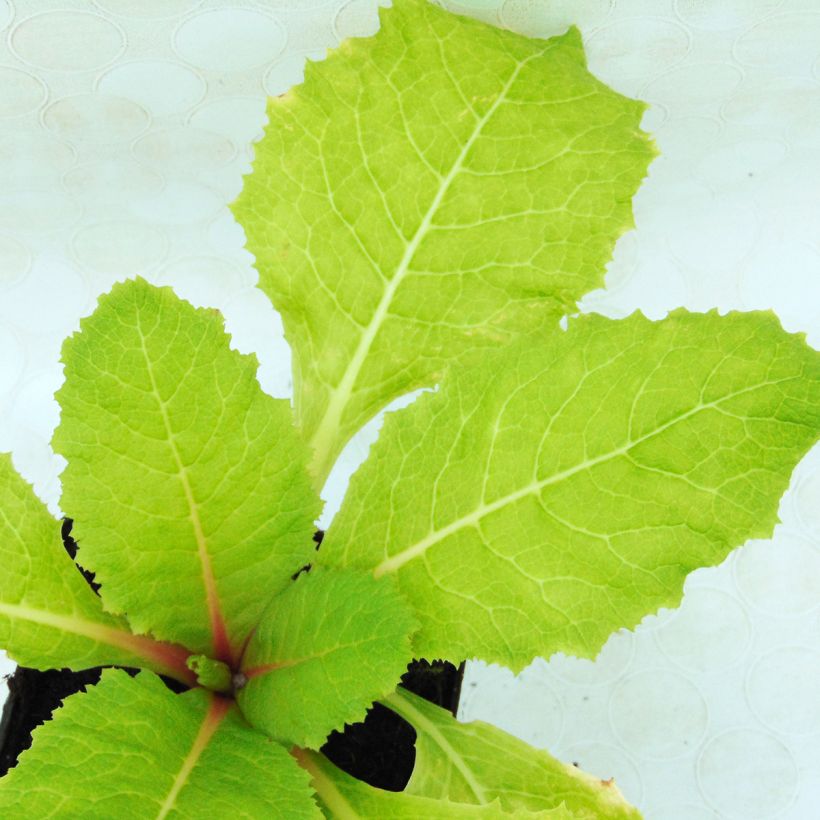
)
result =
(186, 482)
(478, 763)
(325, 649)
(428, 193)
(344, 796)
(131, 748)
(49, 617)
(567, 486)
(213, 675)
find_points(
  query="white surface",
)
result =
(125, 126)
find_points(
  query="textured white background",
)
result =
(125, 127)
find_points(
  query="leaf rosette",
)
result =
(423, 210)
(193, 487)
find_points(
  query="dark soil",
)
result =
(70, 546)
(380, 750)
(33, 696)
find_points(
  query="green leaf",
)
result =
(211, 674)
(325, 649)
(186, 482)
(427, 194)
(131, 748)
(343, 796)
(478, 763)
(567, 486)
(49, 617)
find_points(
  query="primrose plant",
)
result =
(423, 211)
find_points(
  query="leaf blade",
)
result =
(451, 205)
(566, 487)
(324, 650)
(480, 764)
(186, 482)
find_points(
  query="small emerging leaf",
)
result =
(567, 486)
(131, 748)
(429, 193)
(325, 649)
(478, 763)
(211, 674)
(187, 483)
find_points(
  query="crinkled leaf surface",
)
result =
(49, 617)
(428, 193)
(130, 748)
(344, 796)
(186, 482)
(325, 649)
(478, 763)
(567, 486)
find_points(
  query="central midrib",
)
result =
(72, 624)
(322, 440)
(216, 713)
(221, 643)
(168, 657)
(288, 663)
(395, 562)
(333, 799)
